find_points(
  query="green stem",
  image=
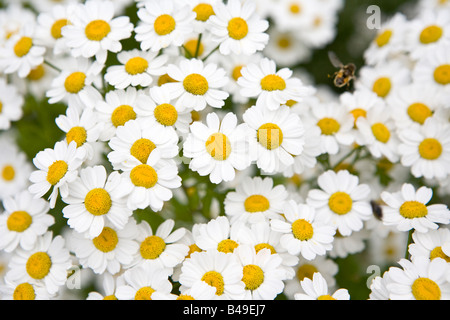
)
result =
(198, 45)
(187, 51)
(357, 149)
(212, 51)
(52, 65)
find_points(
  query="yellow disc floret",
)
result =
(203, 11)
(270, 136)
(273, 82)
(56, 171)
(430, 34)
(77, 134)
(8, 172)
(237, 28)
(107, 240)
(227, 246)
(98, 201)
(96, 30)
(152, 247)
(306, 271)
(383, 38)
(75, 82)
(166, 114)
(442, 74)
(24, 291)
(214, 279)
(413, 209)
(253, 276)
(218, 146)
(381, 132)
(38, 265)
(23, 46)
(141, 149)
(340, 203)
(426, 289)
(382, 86)
(136, 65)
(164, 24)
(419, 112)
(19, 221)
(143, 175)
(302, 229)
(196, 84)
(328, 126)
(430, 149)
(256, 203)
(122, 114)
(55, 31)
(144, 293)
(439, 253)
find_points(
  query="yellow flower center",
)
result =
(36, 73)
(358, 112)
(152, 247)
(74, 83)
(442, 74)
(96, 30)
(185, 297)
(273, 82)
(107, 240)
(144, 293)
(191, 47)
(136, 65)
(284, 42)
(196, 84)
(256, 203)
(122, 114)
(143, 175)
(306, 271)
(270, 136)
(426, 289)
(325, 297)
(430, 34)
(227, 246)
(24, 291)
(237, 28)
(263, 245)
(383, 38)
(413, 209)
(340, 203)
(193, 248)
(203, 11)
(110, 297)
(8, 172)
(166, 114)
(38, 265)
(382, 87)
(302, 229)
(218, 146)
(23, 46)
(98, 201)
(419, 112)
(56, 171)
(430, 149)
(438, 253)
(328, 126)
(381, 132)
(19, 221)
(141, 149)
(55, 30)
(236, 73)
(215, 279)
(164, 24)
(165, 78)
(77, 134)
(295, 8)
(253, 276)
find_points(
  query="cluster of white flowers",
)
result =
(200, 100)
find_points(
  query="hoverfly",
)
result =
(345, 73)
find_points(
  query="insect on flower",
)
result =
(346, 72)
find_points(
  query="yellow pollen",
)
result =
(185, 297)
(340, 203)
(358, 112)
(36, 73)
(253, 277)
(56, 171)
(144, 293)
(295, 8)
(218, 146)
(383, 38)
(419, 112)
(236, 74)
(426, 289)
(237, 28)
(382, 87)
(98, 201)
(122, 114)
(430, 34)
(270, 136)
(152, 247)
(261, 246)
(381, 132)
(284, 42)
(24, 291)
(164, 24)
(195, 116)
(227, 246)
(165, 78)
(306, 271)
(110, 297)
(191, 47)
(141, 149)
(38, 265)
(302, 229)
(413, 209)
(1, 107)
(430, 149)
(96, 30)
(166, 114)
(214, 279)
(438, 253)
(19, 221)
(203, 11)
(290, 103)
(328, 126)
(8, 173)
(74, 83)
(193, 248)
(136, 65)
(196, 84)
(23, 46)
(143, 175)
(256, 203)
(107, 240)
(442, 74)
(77, 134)
(325, 297)
(55, 31)
(273, 82)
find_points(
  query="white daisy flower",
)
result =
(343, 246)
(57, 167)
(163, 24)
(203, 9)
(218, 148)
(279, 136)
(23, 221)
(427, 150)
(270, 87)
(341, 201)
(94, 31)
(11, 104)
(293, 14)
(94, 198)
(432, 244)
(237, 28)
(109, 285)
(12, 290)
(303, 231)
(138, 68)
(108, 252)
(420, 279)
(378, 289)
(255, 200)
(219, 270)
(407, 209)
(45, 264)
(317, 289)
(13, 17)
(321, 28)
(197, 84)
(199, 291)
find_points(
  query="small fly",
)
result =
(346, 72)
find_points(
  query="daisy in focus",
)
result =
(317, 289)
(433, 244)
